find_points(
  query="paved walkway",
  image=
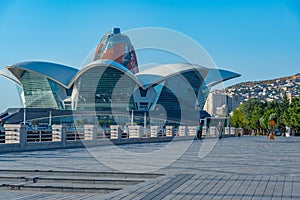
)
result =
(231, 168)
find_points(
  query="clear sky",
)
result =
(260, 39)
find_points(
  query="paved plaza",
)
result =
(230, 168)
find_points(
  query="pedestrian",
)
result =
(199, 131)
(220, 130)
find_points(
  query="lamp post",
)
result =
(24, 115)
(131, 117)
(50, 118)
(145, 123)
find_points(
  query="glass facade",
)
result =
(104, 89)
(179, 96)
(39, 92)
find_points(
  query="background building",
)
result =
(219, 103)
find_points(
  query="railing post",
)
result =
(115, 132)
(205, 130)
(227, 130)
(23, 136)
(90, 132)
(16, 133)
(169, 131)
(59, 134)
(192, 130)
(182, 131)
(154, 130)
(232, 131)
(63, 135)
(134, 131)
(239, 132)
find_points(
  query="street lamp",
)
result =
(24, 114)
(131, 117)
(50, 118)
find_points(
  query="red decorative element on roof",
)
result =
(117, 47)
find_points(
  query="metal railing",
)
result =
(2, 137)
(61, 136)
(39, 135)
(75, 134)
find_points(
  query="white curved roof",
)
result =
(105, 63)
(7, 74)
(216, 76)
(66, 76)
(58, 73)
(162, 72)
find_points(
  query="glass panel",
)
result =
(37, 91)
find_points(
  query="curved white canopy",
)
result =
(66, 76)
(58, 73)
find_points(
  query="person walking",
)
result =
(199, 131)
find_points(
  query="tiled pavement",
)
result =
(195, 186)
(235, 168)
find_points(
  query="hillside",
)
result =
(294, 78)
(267, 90)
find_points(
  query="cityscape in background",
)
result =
(222, 102)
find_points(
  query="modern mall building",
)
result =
(113, 85)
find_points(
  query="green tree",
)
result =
(294, 114)
(269, 113)
(263, 125)
(284, 105)
(256, 114)
(283, 115)
(252, 110)
(246, 108)
(238, 119)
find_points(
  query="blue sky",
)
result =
(257, 38)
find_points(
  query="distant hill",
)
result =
(294, 78)
(266, 90)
